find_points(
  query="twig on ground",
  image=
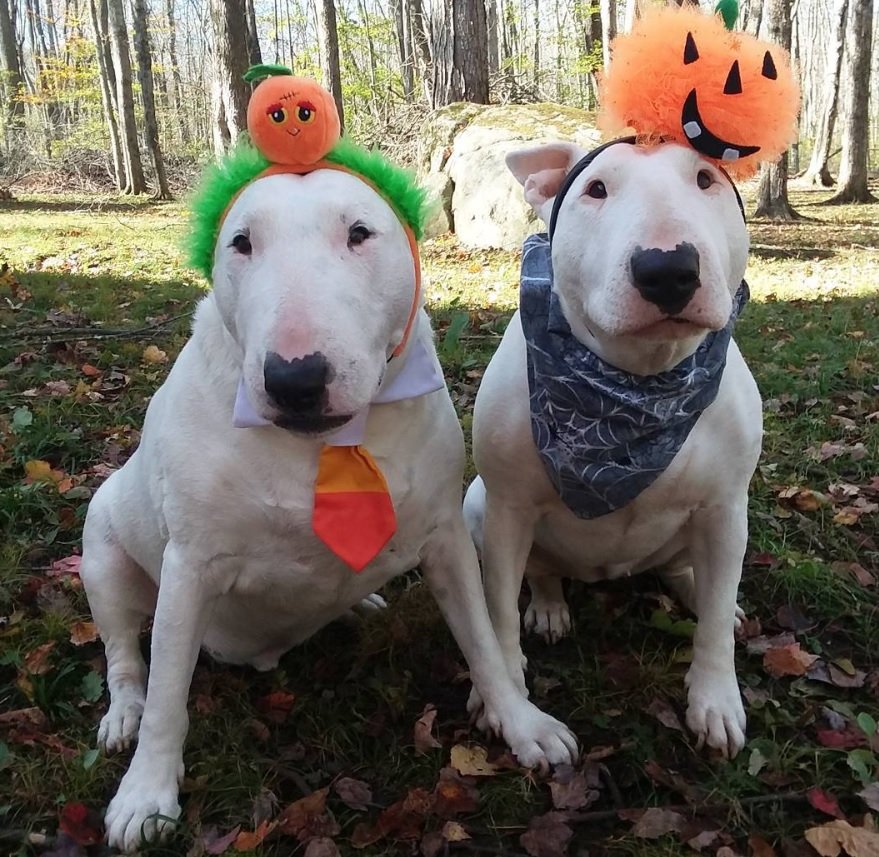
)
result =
(53, 334)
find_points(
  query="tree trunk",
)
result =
(403, 27)
(421, 41)
(229, 91)
(491, 26)
(12, 82)
(125, 98)
(460, 54)
(254, 53)
(328, 35)
(772, 200)
(632, 14)
(108, 87)
(608, 28)
(853, 167)
(818, 172)
(175, 82)
(536, 45)
(145, 79)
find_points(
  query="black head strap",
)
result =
(587, 159)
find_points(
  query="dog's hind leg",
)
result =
(547, 614)
(120, 596)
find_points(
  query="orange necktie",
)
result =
(353, 511)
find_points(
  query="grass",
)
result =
(75, 401)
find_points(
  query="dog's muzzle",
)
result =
(667, 278)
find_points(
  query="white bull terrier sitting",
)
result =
(210, 526)
(617, 427)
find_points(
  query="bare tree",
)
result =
(9, 57)
(608, 28)
(135, 182)
(460, 53)
(772, 199)
(491, 25)
(230, 62)
(819, 169)
(108, 88)
(328, 35)
(175, 81)
(853, 167)
(254, 53)
(403, 27)
(421, 41)
(144, 55)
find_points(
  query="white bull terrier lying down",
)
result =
(617, 426)
(209, 526)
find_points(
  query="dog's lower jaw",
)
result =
(145, 807)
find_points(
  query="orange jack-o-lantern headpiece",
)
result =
(681, 76)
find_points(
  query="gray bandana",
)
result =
(605, 435)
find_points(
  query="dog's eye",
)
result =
(704, 179)
(241, 243)
(596, 190)
(357, 234)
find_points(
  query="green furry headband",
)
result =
(222, 182)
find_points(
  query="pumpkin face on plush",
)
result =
(681, 76)
(292, 120)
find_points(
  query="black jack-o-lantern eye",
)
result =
(769, 69)
(691, 53)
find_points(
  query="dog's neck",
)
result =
(633, 354)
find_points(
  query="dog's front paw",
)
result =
(145, 807)
(120, 725)
(536, 739)
(714, 711)
(548, 619)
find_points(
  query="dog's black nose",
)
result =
(298, 385)
(667, 278)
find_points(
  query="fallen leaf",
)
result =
(36, 661)
(213, 843)
(299, 817)
(760, 847)
(824, 802)
(31, 718)
(355, 794)
(790, 616)
(472, 761)
(89, 371)
(830, 839)
(81, 824)
(704, 839)
(83, 632)
(547, 835)
(401, 821)
(571, 790)
(248, 840)
(665, 714)
(322, 846)
(656, 822)
(41, 471)
(453, 831)
(154, 354)
(854, 570)
(788, 660)
(276, 707)
(432, 844)
(453, 795)
(424, 740)
(870, 796)
(842, 739)
(762, 644)
(68, 565)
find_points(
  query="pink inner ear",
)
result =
(543, 185)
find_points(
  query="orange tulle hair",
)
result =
(672, 53)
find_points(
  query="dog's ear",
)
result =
(541, 170)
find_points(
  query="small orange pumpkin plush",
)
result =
(292, 120)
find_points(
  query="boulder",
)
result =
(461, 162)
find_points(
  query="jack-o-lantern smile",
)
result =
(681, 76)
(701, 138)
